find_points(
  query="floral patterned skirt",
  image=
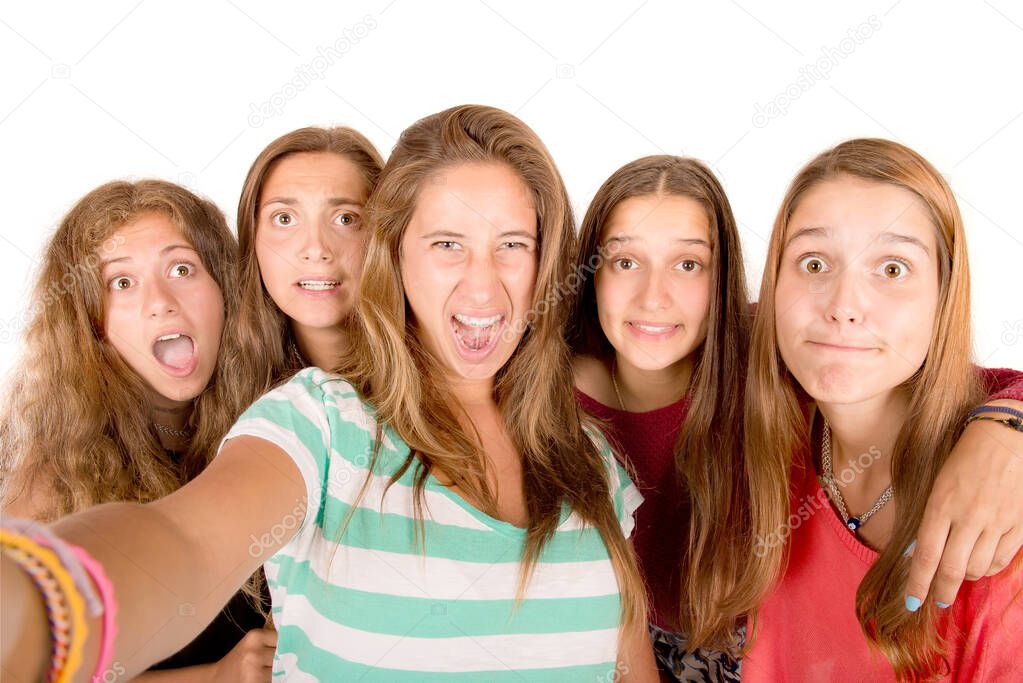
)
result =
(701, 665)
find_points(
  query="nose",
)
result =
(655, 294)
(159, 300)
(314, 247)
(480, 279)
(845, 300)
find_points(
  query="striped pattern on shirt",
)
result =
(378, 607)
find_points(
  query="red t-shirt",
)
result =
(807, 628)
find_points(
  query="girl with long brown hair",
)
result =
(123, 391)
(437, 509)
(860, 383)
(302, 238)
(660, 329)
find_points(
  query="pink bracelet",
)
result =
(106, 592)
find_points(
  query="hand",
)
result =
(250, 661)
(973, 523)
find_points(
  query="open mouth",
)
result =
(319, 285)
(176, 353)
(476, 337)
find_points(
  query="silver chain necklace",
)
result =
(614, 383)
(828, 476)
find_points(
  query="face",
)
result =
(653, 288)
(164, 311)
(469, 264)
(857, 289)
(310, 241)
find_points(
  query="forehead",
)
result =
(148, 230)
(489, 195)
(657, 219)
(851, 208)
(315, 173)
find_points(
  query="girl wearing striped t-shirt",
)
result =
(435, 509)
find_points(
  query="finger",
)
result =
(983, 555)
(952, 567)
(1008, 547)
(930, 544)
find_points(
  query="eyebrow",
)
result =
(169, 248)
(887, 236)
(623, 239)
(292, 201)
(450, 233)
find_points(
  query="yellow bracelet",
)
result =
(64, 603)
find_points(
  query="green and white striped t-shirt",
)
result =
(383, 609)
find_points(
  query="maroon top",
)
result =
(647, 441)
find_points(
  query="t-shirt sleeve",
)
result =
(293, 417)
(624, 494)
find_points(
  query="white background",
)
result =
(93, 92)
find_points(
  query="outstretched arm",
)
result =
(174, 563)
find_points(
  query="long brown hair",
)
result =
(708, 455)
(398, 376)
(76, 414)
(264, 334)
(941, 393)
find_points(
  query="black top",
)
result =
(237, 618)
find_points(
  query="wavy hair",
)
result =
(77, 414)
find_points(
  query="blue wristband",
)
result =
(997, 409)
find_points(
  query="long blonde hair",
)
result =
(941, 393)
(708, 450)
(396, 374)
(263, 332)
(76, 413)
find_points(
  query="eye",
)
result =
(894, 269)
(513, 245)
(120, 283)
(183, 269)
(447, 245)
(624, 263)
(282, 219)
(689, 265)
(348, 219)
(812, 265)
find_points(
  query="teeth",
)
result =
(477, 322)
(168, 337)
(318, 285)
(653, 329)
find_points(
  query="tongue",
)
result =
(474, 338)
(174, 352)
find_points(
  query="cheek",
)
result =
(911, 325)
(612, 295)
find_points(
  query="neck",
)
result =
(170, 413)
(869, 427)
(320, 346)
(644, 390)
(473, 394)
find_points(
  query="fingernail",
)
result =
(942, 605)
(909, 548)
(912, 603)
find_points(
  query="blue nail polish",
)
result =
(909, 548)
(942, 605)
(913, 603)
